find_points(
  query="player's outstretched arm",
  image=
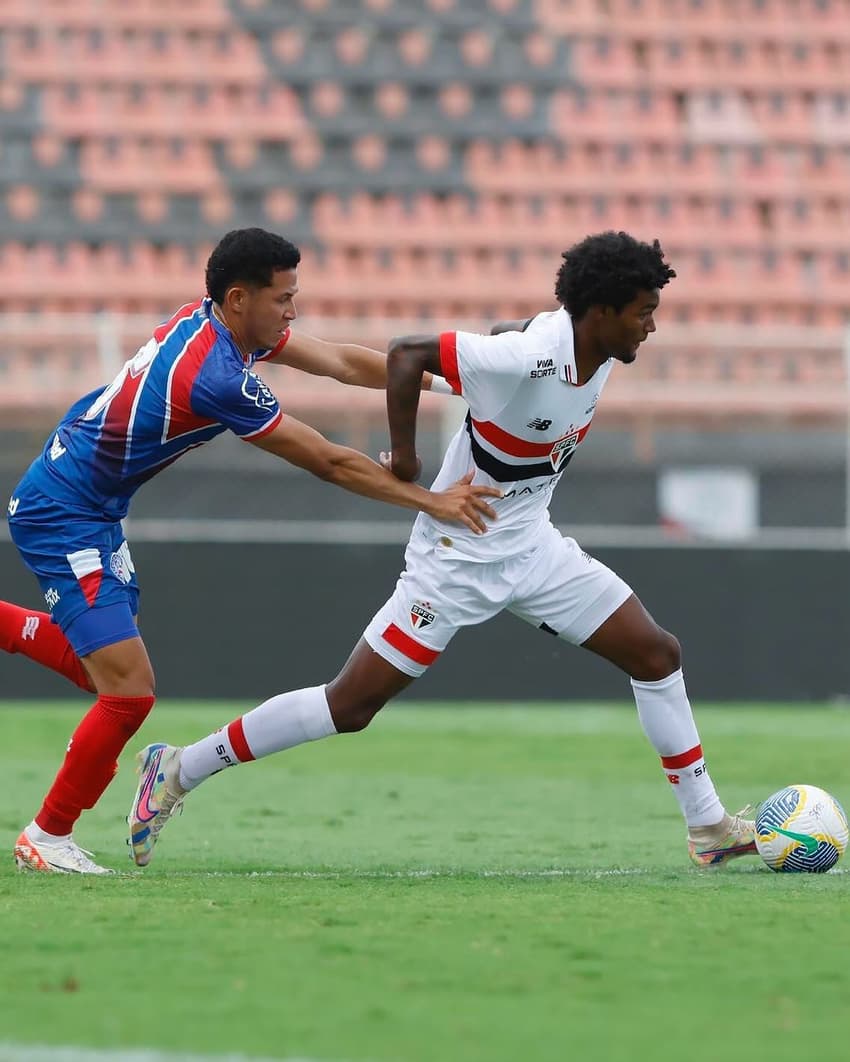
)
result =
(347, 362)
(303, 446)
(510, 326)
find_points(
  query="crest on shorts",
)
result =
(119, 566)
(563, 448)
(421, 615)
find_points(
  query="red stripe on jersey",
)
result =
(179, 398)
(184, 311)
(272, 424)
(236, 737)
(116, 425)
(513, 445)
(277, 349)
(448, 361)
(684, 759)
(421, 654)
(90, 585)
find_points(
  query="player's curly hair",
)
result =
(609, 269)
(249, 256)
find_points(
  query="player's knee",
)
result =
(661, 657)
(132, 682)
(356, 715)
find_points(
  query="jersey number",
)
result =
(134, 367)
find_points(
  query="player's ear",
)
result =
(235, 297)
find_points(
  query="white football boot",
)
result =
(63, 856)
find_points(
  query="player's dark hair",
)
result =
(609, 269)
(250, 257)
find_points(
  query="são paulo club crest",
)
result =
(421, 615)
(563, 448)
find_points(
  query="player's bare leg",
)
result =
(651, 656)
(123, 676)
(365, 684)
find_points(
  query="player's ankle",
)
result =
(39, 836)
(708, 832)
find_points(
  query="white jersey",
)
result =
(526, 417)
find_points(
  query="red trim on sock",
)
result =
(684, 759)
(91, 760)
(236, 737)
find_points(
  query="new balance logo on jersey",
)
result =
(13, 505)
(421, 614)
(545, 367)
(539, 424)
(30, 626)
(56, 449)
(51, 598)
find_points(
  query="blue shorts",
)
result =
(83, 566)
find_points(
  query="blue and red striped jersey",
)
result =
(187, 384)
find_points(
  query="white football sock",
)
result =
(39, 836)
(282, 722)
(666, 717)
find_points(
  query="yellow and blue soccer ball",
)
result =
(801, 830)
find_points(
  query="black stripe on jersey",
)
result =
(501, 471)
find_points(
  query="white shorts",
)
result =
(556, 586)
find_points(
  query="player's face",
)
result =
(624, 332)
(270, 310)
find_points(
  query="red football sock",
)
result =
(91, 760)
(34, 635)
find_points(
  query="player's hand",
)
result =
(409, 471)
(464, 504)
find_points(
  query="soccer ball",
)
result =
(801, 830)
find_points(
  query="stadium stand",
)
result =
(433, 159)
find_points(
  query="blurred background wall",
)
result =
(433, 158)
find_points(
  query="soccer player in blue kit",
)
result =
(532, 388)
(194, 379)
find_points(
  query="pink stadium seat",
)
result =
(22, 202)
(95, 14)
(415, 46)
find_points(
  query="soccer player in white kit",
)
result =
(532, 389)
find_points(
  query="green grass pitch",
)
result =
(463, 884)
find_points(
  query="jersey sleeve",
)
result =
(270, 355)
(239, 400)
(485, 370)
